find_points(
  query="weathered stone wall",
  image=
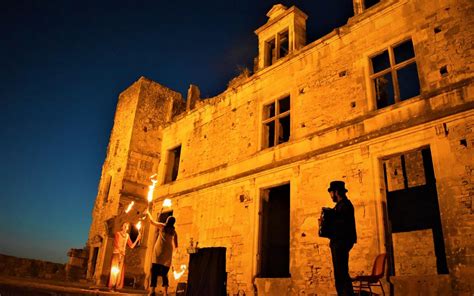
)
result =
(321, 96)
(30, 268)
(336, 133)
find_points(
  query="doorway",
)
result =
(274, 238)
(207, 275)
(413, 218)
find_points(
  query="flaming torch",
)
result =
(166, 204)
(138, 226)
(151, 189)
(178, 274)
(115, 271)
(130, 206)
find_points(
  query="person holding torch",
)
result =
(121, 240)
(162, 252)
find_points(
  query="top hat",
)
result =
(337, 186)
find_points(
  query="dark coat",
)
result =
(345, 229)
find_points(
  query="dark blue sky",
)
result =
(63, 64)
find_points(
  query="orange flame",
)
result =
(177, 274)
(151, 188)
(167, 203)
(130, 206)
(138, 225)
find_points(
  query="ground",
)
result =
(10, 286)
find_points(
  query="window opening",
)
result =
(276, 122)
(270, 52)
(174, 157)
(274, 240)
(276, 48)
(284, 44)
(395, 75)
(412, 205)
(108, 184)
(370, 3)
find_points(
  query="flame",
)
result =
(177, 274)
(130, 206)
(167, 203)
(151, 188)
(115, 270)
(138, 225)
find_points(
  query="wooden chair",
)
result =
(373, 280)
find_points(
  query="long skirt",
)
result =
(117, 271)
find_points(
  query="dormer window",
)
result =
(276, 48)
(284, 32)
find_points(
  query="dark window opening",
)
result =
(384, 91)
(276, 122)
(408, 82)
(404, 51)
(276, 48)
(270, 52)
(370, 3)
(395, 75)
(284, 44)
(412, 200)
(274, 240)
(108, 185)
(174, 157)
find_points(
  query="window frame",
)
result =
(276, 117)
(392, 69)
(170, 164)
(276, 40)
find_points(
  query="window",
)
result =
(412, 206)
(277, 48)
(370, 3)
(276, 122)
(174, 156)
(395, 75)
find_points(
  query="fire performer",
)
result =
(121, 240)
(162, 252)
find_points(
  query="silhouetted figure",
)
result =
(344, 237)
(162, 252)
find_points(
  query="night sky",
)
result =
(62, 66)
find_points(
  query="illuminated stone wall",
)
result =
(337, 132)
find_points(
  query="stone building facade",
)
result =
(384, 103)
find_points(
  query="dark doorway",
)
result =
(275, 233)
(207, 275)
(412, 200)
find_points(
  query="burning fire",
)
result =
(138, 225)
(115, 270)
(177, 274)
(167, 203)
(151, 188)
(130, 206)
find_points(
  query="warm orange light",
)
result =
(151, 188)
(178, 274)
(138, 225)
(115, 270)
(167, 203)
(130, 206)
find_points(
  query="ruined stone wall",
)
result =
(226, 214)
(337, 133)
(328, 83)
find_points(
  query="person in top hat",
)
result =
(344, 237)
